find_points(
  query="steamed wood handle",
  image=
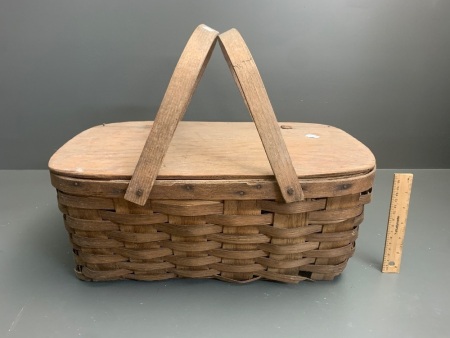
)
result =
(251, 86)
(187, 74)
(181, 87)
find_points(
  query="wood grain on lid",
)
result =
(211, 150)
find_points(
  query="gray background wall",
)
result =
(379, 69)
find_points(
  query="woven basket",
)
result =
(232, 201)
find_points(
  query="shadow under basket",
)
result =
(235, 201)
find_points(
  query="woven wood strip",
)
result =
(290, 232)
(237, 268)
(105, 275)
(101, 259)
(82, 277)
(358, 220)
(197, 273)
(187, 208)
(189, 230)
(64, 210)
(191, 246)
(325, 269)
(238, 254)
(281, 277)
(85, 202)
(329, 253)
(138, 237)
(284, 264)
(89, 225)
(150, 277)
(288, 249)
(333, 215)
(294, 208)
(366, 197)
(348, 236)
(143, 254)
(240, 220)
(231, 280)
(136, 219)
(144, 267)
(239, 239)
(193, 261)
(95, 242)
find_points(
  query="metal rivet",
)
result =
(188, 187)
(76, 184)
(139, 192)
(258, 186)
(241, 193)
(290, 191)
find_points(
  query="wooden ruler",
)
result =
(396, 227)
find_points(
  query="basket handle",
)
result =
(182, 85)
(251, 86)
(185, 78)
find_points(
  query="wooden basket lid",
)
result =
(211, 150)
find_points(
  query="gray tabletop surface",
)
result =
(40, 296)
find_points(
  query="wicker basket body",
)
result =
(216, 207)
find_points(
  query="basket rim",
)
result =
(239, 189)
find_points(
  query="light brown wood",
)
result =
(251, 86)
(234, 240)
(350, 207)
(292, 208)
(182, 85)
(249, 189)
(187, 207)
(211, 150)
(396, 227)
(240, 220)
